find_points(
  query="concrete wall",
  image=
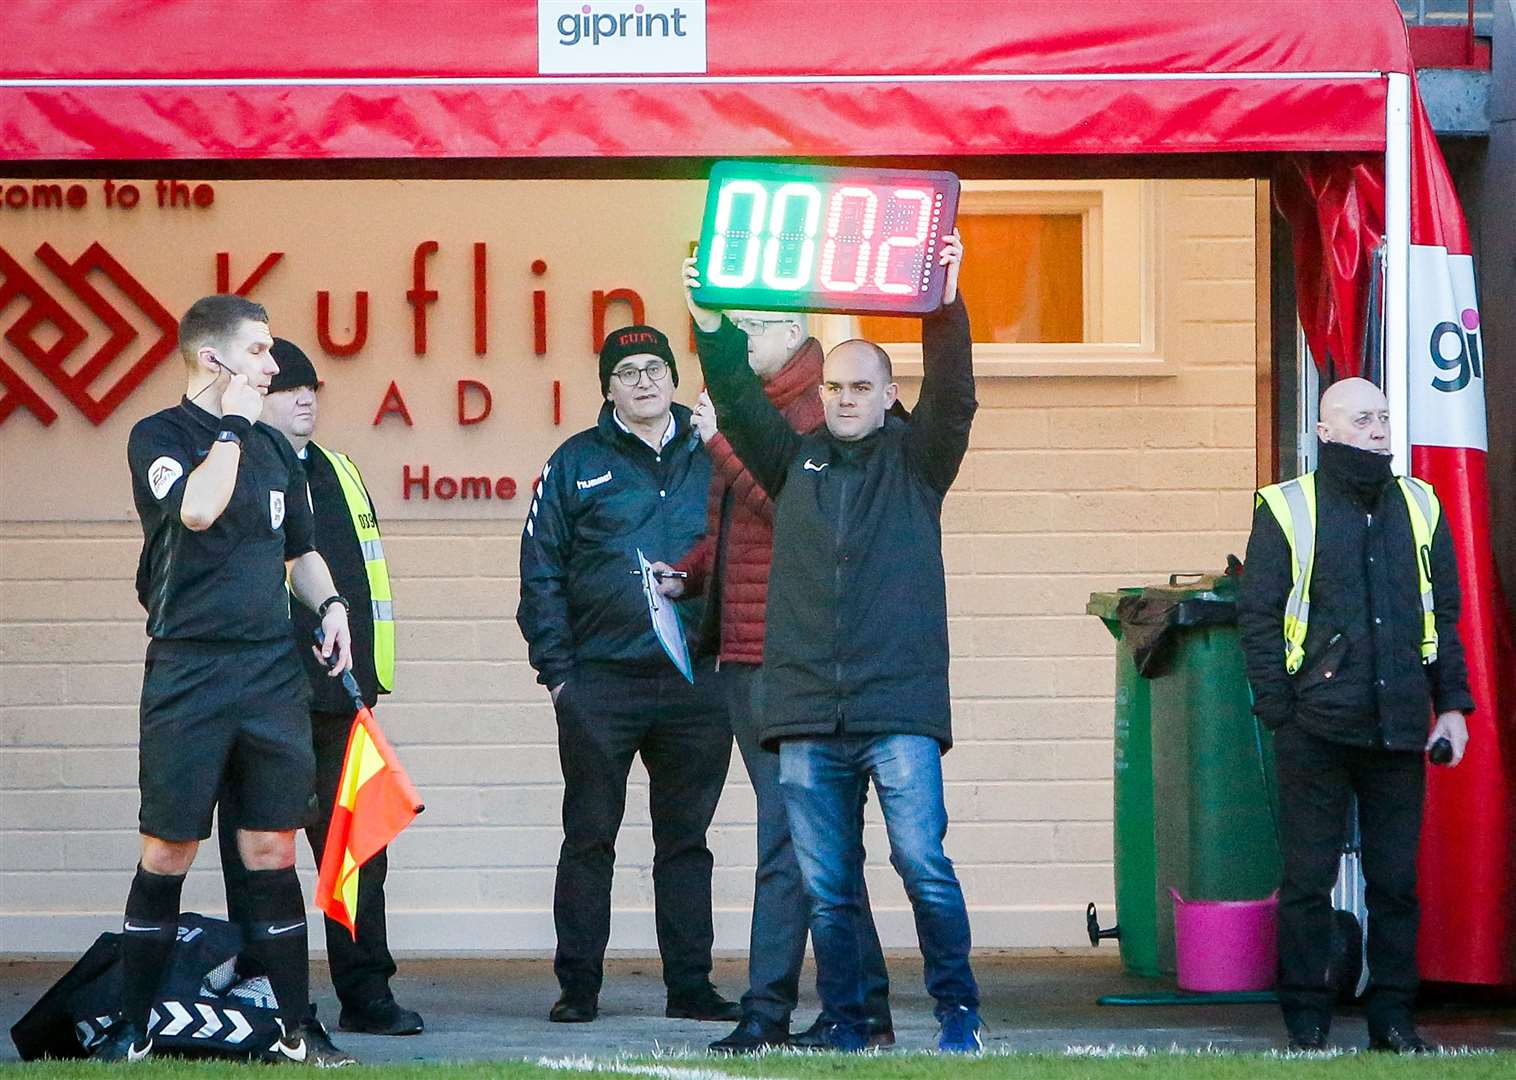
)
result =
(1071, 485)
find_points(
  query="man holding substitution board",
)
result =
(854, 683)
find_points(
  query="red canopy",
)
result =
(1321, 83)
(413, 78)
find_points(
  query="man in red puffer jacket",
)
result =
(731, 565)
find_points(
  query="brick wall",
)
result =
(1071, 485)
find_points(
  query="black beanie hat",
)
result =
(633, 341)
(295, 368)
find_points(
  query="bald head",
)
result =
(857, 388)
(1355, 412)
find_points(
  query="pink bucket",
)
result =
(1224, 945)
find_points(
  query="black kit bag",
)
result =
(204, 1008)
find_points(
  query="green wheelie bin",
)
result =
(1214, 790)
(1134, 854)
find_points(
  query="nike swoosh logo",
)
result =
(811, 465)
(139, 929)
(133, 1054)
(273, 930)
(296, 1053)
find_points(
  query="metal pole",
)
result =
(1397, 236)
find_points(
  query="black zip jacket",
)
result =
(603, 495)
(856, 639)
(337, 541)
(1362, 682)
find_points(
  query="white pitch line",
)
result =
(656, 1072)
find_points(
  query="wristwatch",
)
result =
(335, 598)
(227, 435)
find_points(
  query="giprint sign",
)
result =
(1446, 352)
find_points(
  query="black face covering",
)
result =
(1362, 473)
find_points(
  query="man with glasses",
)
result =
(731, 568)
(636, 481)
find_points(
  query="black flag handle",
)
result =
(349, 683)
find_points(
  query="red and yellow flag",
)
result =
(375, 800)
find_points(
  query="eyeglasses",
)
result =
(754, 327)
(631, 376)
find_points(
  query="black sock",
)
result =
(147, 939)
(276, 939)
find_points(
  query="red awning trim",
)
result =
(703, 80)
(100, 81)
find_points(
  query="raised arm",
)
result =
(939, 431)
(759, 433)
(208, 488)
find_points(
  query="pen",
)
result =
(660, 574)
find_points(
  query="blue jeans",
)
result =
(781, 916)
(823, 780)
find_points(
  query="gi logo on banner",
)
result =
(1446, 352)
(620, 37)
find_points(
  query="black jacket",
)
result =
(337, 541)
(856, 640)
(603, 495)
(1362, 681)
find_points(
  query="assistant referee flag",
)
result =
(375, 800)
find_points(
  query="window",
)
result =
(1061, 278)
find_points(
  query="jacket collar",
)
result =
(800, 375)
(199, 416)
(613, 431)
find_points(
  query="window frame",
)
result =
(1090, 199)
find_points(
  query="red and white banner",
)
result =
(1468, 848)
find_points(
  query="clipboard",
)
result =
(665, 619)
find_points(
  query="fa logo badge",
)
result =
(275, 509)
(161, 475)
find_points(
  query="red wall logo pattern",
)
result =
(63, 362)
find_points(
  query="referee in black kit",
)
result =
(224, 511)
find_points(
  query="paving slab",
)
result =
(1042, 1000)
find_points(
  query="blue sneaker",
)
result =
(960, 1033)
(841, 1039)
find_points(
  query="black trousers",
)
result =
(1317, 777)
(605, 718)
(362, 968)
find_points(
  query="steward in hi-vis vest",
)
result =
(1349, 620)
(347, 535)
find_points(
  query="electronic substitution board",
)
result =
(820, 238)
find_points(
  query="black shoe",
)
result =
(123, 1042)
(703, 1004)
(574, 1009)
(1307, 1030)
(320, 1051)
(880, 1033)
(1308, 1041)
(753, 1034)
(306, 1043)
(382, 1016)
(1398, 1039)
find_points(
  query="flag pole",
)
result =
(1397, 295)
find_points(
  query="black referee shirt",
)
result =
(227, 582)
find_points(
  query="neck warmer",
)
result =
(1361, 473)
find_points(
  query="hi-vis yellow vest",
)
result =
(367, 527)
(1293, 504)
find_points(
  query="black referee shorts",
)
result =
(236, 712)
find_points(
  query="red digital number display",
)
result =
(818, 238)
